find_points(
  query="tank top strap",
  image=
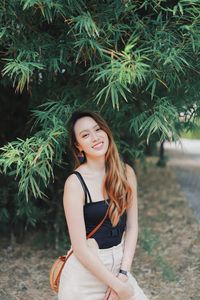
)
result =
(85, 188)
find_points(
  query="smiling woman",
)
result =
(90, 136)
(100, 187)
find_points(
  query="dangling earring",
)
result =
(81, 157)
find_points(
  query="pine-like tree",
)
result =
(134, 61)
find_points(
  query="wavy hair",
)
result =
(115, 183)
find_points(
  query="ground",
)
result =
(167, 258)
(184, 157)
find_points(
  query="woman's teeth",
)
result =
(98, 145)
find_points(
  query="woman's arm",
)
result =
(73, 200)
(131, 233)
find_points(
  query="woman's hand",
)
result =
(111, 294)
(125, 289)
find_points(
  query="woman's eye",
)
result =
(98, 129)
(85, 135)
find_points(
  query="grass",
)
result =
(192, 134)
(167, 271)
(195, 135)
(149, 241)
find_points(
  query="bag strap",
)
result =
(65, 257)
(98, 226)
(91, 233)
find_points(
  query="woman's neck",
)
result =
(96, 165)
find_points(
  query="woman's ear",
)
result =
(77, 146)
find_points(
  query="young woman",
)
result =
(99, 268)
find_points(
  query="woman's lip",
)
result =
(98, 145)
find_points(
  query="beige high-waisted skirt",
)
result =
(78, 283)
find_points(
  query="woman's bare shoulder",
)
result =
(129, 170)
(72, 181)
(73, 188)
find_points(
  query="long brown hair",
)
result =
(115, 185)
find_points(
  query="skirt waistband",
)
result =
(113, 248)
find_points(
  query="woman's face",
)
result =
(90, 137)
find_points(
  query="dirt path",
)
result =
(185, 160)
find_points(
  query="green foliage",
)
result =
(119, 73)
(85, 23)
(20, 71)
(32, 160)
(161, 117)
(136, 62)
(148, 240)
(167, 271)
(192, 131)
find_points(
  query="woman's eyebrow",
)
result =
(88, 129)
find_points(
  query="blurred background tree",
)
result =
(135, 62)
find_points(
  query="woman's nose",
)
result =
(94, 136)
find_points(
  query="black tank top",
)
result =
(107, 235)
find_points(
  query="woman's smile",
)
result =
(98, 146)
(90, 136)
